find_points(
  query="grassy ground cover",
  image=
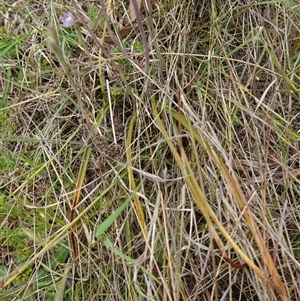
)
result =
(150, 151)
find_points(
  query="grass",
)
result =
(163, 165)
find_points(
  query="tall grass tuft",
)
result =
(149, 150)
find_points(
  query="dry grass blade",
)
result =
(132, 10)
(137, 204)
(76, 199)
(208, 213)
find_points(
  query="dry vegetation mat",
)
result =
(149, 150)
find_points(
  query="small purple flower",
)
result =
(68, 19)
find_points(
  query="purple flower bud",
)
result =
(68, 19)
